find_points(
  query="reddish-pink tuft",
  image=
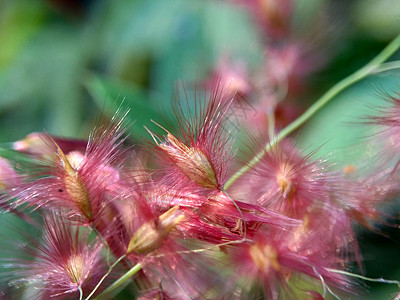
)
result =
(198, 157)
(291, 183)
(81, 183)
(64, 261)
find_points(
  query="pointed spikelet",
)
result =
(160, 239)
(64, 261)
(151, 235)
(140, 225)
(80, 183)
(198, 157)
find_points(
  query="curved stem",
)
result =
(136, 268)
(104, 277)
(325, 286)
(321, 102)
(389, 66)
(80, 292)
(380, 280)
(271, 124)
(104, 242)
(240, 212)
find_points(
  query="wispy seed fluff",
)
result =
(198, 157)
(79, 182)
(290, 182)
(64, 261)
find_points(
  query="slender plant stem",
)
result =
(381, 280)
(320, 103)
(240, 212)
(80, 292)
(389, 66)
(104, 277)
(136, 268)
(325, 286)
(271, 124)
(104, 242)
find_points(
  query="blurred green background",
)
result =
(64, 63)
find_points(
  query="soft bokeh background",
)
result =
(64, 63)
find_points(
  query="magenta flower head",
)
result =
(327, 233)
(78, 182)
(269, 264)
(290, 182)
(198, 157)
(387, 122)
(64, 262)
(233, 75)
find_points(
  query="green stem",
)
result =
(104, 242)
(80, 292)
(104, 277)
(325, 286)
(271, 123)
(389, 66)
(380, 280)
(136, 268)
(240, 212)
(320, 103)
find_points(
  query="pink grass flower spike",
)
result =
(65, 263)
(198, 158)
(80, 183)
(291, 183)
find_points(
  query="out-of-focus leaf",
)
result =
(202, 35)
(337, 127)
(380, 19)
(14, 156)
(109, 95)
(18, 22)
(47, 75)
(230, 30)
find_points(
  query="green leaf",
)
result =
(337, 131)
(109, 95)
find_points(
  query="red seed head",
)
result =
(269, 261)
(386, 122)
(233, 76)
(80, 183)
(74, 184)
(291, 183)
(199, 155)
(64, 259)
(191, 161)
